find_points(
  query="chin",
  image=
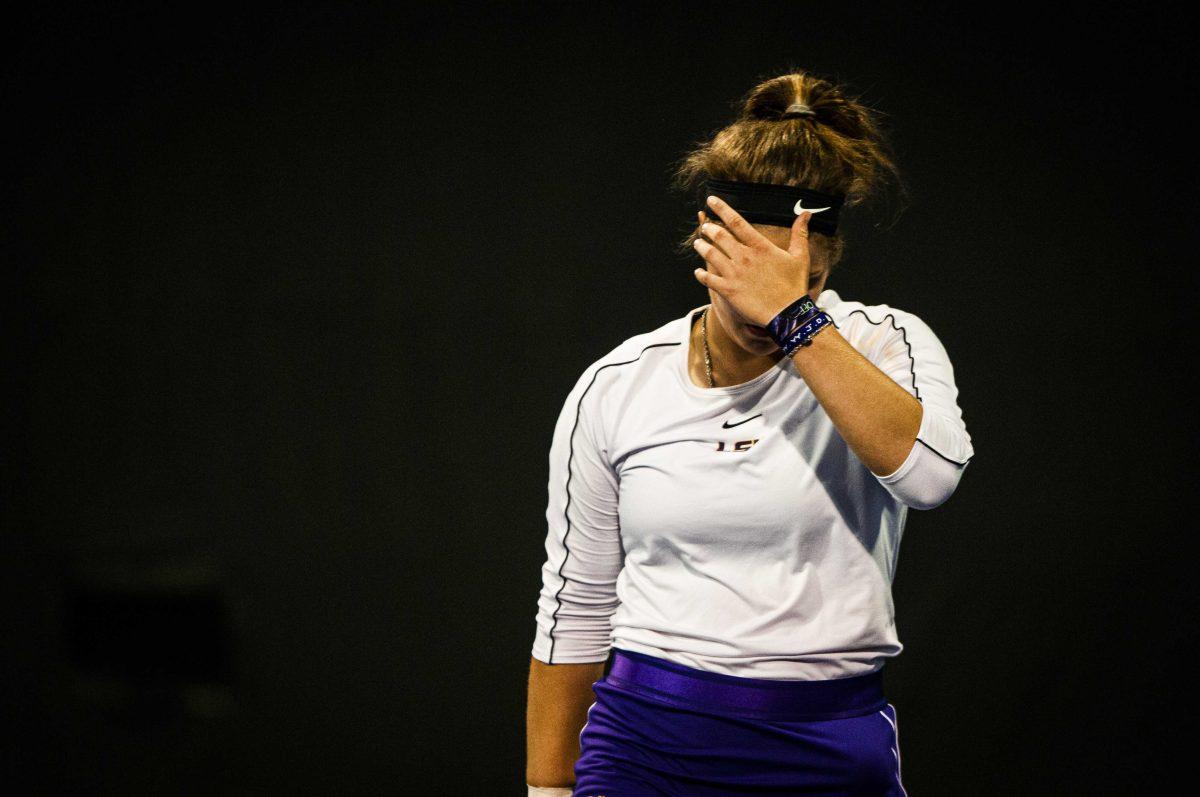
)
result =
(768, 349)
(751, 339)
(757, 345)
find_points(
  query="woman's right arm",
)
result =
(558, 702)
(573, 636)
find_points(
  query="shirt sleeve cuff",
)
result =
(946, 436)
(904, 468)
(928, 477)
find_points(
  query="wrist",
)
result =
(807, 337)
(805, 331)
(796, 325)
(787, 320)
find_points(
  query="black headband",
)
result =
(769, 203)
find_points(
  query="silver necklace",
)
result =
(707, 355)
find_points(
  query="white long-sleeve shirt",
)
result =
(732, 529)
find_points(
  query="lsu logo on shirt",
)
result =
(740, 445)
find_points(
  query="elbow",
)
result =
(933, 490)
(928, 496)
(571, 633)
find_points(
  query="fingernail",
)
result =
(712, 200)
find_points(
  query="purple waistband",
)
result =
(688, 687)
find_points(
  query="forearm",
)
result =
(556, 709)
(878, 419)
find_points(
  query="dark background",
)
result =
(296, 295)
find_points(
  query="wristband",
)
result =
(550, 791)
(790, 318)
(805, 334)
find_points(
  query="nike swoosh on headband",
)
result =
(800, 208)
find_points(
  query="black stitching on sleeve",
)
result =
(912, 367)
(943, 456)
(570, 456)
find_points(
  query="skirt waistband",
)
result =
(687, 687)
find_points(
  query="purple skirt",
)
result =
(659, 728)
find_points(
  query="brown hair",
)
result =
(838, 149)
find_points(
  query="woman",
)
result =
(727, 494)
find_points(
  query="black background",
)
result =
(298, 293)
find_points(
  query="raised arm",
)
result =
(896, 406)
(888, 414)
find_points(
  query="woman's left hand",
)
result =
(750, 272)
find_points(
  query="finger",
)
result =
(798, 244)
(710, 280)
(721, 238)
(717, 260)
(742, 229)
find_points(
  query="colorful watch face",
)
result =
(801, 308)
(789, 318)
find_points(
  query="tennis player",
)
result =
(727, 494)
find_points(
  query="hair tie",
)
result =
(798, 109)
